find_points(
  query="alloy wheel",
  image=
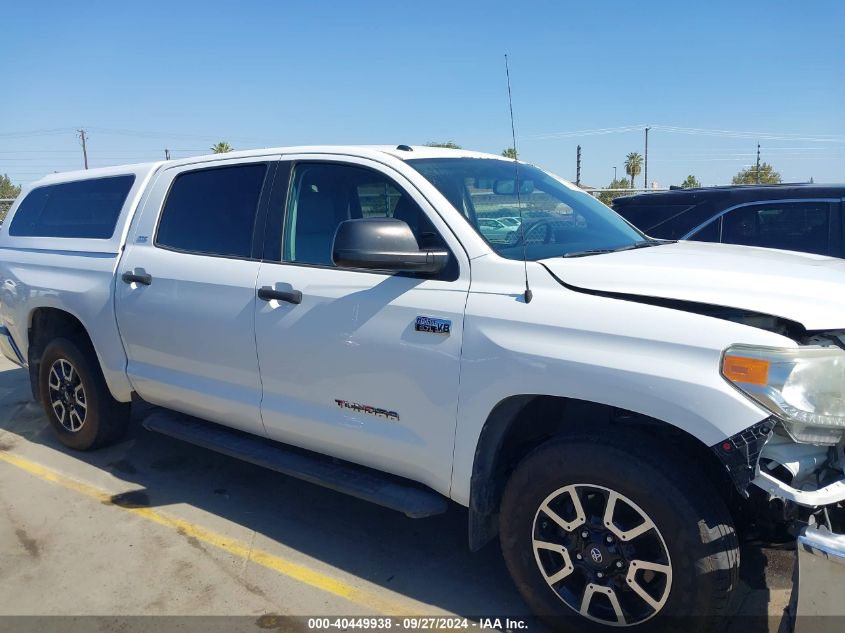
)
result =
(602, 555)
(67, 395)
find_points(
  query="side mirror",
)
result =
(383, 244)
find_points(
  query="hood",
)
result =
(804, 288)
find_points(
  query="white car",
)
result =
(495, 230)
(615, 408)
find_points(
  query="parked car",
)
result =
(794, 217)
(616, 409)
(497, 230)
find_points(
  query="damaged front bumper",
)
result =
(792, 473)
(740, 453)
(821, 577)
(833, 492)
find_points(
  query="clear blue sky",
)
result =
(143, 76)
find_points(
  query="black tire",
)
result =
(100, 418)
(693, 526)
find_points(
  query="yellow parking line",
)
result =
(232, 546)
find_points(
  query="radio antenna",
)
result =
(528, 295)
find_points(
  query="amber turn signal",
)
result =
(749, 370)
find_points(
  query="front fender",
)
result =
(651, 360)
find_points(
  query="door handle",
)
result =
(269, 294)
(138, 278)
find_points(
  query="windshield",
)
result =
(556, 221)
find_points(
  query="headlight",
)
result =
(805, 387)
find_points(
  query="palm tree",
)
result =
(633, 166)
(510, 152)
(221, 148)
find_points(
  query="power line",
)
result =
(785, 136)
(107, 131)
(41, 132)
(739, 158)
(673, 129)
(593, 132)
(120, 151)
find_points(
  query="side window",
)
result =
(212, 211)
(709, 233)
(666, 221)
(793, 226)
(81, 209)
(325, 194)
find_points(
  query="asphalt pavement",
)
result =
(156, 527)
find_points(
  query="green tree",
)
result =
(608, 196)
(446, 144)
(691, 182)
(633, 166)
(7, 188)
(221, 148)
(768, 175)
(510, 152)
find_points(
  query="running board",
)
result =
(358, 481)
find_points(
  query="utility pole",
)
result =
(645, 175)
(578, 166)
(84, 147)
(758, 163)
(166, 154)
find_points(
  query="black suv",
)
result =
(795, 217)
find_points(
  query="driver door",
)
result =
(344, 369)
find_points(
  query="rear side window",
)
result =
(212, 211)
(710, 233)
(81, 209)
(792, 226)
(666, 221)
(646, 216)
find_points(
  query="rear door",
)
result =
(363, 365)
(186, 291)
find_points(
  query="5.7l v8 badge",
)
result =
(433, 326)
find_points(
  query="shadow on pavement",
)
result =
(425, 559)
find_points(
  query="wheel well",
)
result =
(45, 325)
(519, 424)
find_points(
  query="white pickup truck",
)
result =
(618, 410)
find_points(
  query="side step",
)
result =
(358, 481)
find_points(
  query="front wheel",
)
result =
(608, 532)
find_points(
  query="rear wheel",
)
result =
(603, 532)
(76, 399)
